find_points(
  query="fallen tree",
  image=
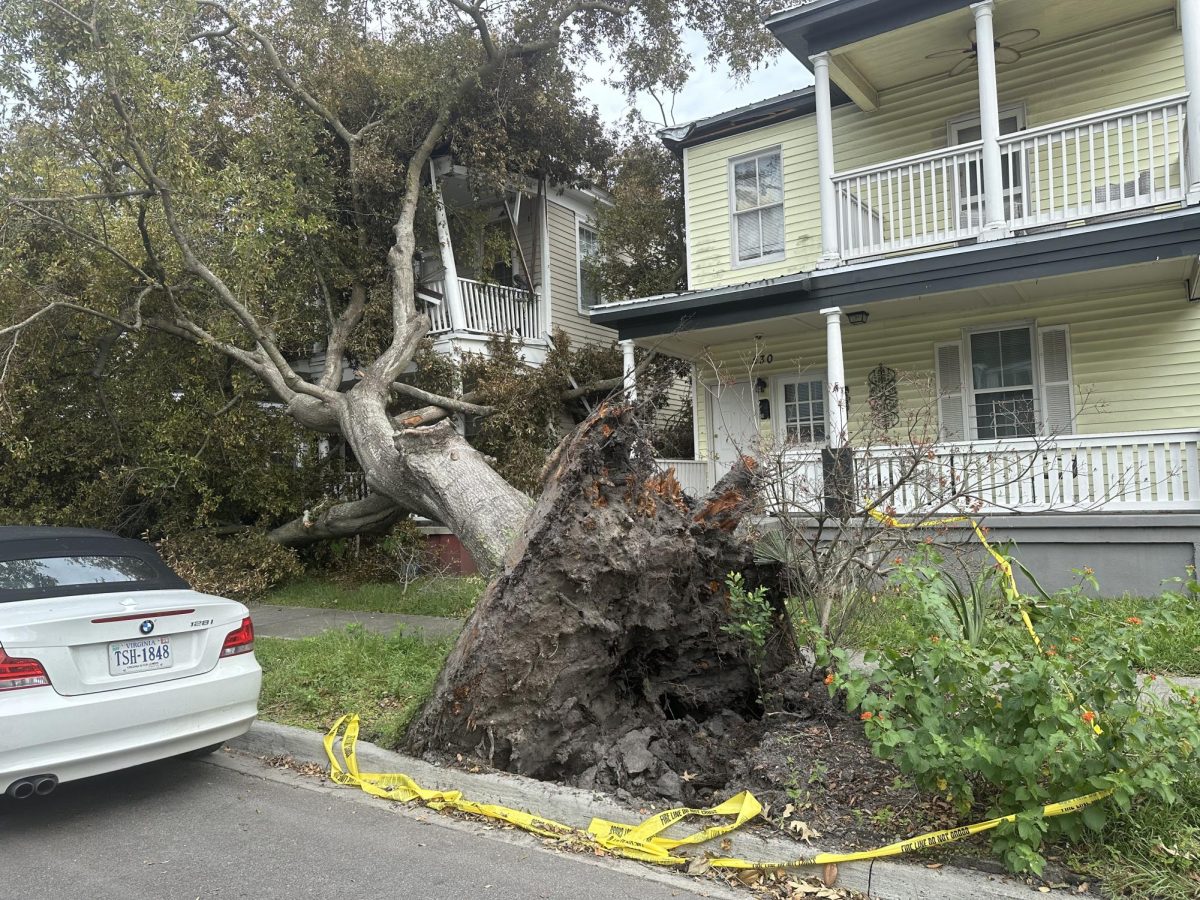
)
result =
(251, 181)
(603, 646)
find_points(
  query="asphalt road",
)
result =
(185, 830)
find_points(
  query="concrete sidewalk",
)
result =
(305, 621)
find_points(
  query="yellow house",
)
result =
(984, 220)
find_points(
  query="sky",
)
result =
(707, 92)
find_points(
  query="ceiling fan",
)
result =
(1005, 49)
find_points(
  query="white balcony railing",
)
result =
(1123, 159)
(1155, 471)
(490, 309)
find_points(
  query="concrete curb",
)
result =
(890, 880)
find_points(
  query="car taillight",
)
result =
(16, 674)
(240, 641)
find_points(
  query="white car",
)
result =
(108, 659)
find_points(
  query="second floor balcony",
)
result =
(1114, 163)
(490, 309)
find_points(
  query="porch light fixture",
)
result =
(858, 317)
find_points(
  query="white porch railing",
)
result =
(1151, 471)
(1121, 159)
(490, 309)
(1155, 471)
(693, 475)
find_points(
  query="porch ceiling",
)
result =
(693, 344)
(887, 61)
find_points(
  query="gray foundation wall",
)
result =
(1129, 552)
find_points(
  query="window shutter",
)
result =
(952, 413)
(1058, 411)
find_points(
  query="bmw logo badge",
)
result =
(146, 627)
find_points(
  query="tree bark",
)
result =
(433, 471)
(595, 654)
(373, 514)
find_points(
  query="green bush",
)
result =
(751, 615)
(244, 565)
(401, 555)
(998, 726)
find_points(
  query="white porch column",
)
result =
(629, 368)
(995, 226)
(451, 295)
(830, 252)
(835, 378)
(1189, 20)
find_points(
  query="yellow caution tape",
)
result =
(644, 842)
(1010, 583)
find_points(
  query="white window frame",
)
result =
(954, 128)
(959, 123)
(1035, 388)
(778, 415)
(733, 210)
(580, 224)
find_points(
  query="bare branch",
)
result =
(451, 403)
(90, 239)
(62, 304)
(76, 198)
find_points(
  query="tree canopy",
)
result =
(252, 181)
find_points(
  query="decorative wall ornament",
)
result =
(883, 397)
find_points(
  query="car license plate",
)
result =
(141, 655)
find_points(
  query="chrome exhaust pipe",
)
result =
(21, 790)
(44, 785)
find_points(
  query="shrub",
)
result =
(1002, 726)
(401, 555)
(751, 617)
(244, 565)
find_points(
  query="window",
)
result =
(588, 249)
(1008, 382)
(757, 204)
(802, 410)
(1002, 383)
(970, 175)
(70, 571)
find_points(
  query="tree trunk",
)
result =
(434, 472)
(599, 650)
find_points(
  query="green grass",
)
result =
(385, 679)
(1151, 854)
(886, 622)
(438, 596)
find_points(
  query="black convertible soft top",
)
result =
(20, 542)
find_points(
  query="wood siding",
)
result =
(1139, 61)
(564, 280)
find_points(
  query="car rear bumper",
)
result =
(44, 733)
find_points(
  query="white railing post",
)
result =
(994, 223)
(451, 293)
(1189, 20)
(630, 370)
(835, 377)
(830, 254)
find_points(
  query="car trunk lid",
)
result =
(102, 642)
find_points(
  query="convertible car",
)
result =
(108, 659)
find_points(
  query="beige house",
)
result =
(998, 199)
(539, 285)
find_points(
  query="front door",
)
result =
(733, 417)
